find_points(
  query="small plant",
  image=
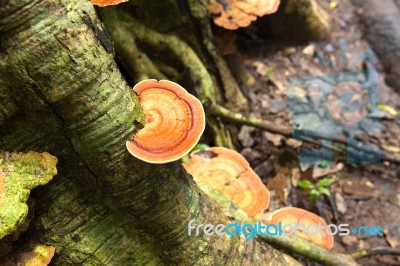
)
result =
(316, 189)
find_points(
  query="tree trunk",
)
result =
(61, 91)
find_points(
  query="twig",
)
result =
(375, 251)
(309, 136)
(309, 250)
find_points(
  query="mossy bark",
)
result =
(85, 232)
(68, 96)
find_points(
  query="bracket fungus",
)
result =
(103, 3)
(228, 172)
(311, 221)
(32, 255)
(232, 14)
(19, 174)
(175, 121)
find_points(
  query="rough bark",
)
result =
(85, 232)
(68, 97)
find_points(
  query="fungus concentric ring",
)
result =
(229, 173)
(175, 121)
(292, 215)
(232, 14)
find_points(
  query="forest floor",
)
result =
(362, 194)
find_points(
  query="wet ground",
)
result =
(363, 194)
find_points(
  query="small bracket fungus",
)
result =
(232, 14)
(306, 221)
(228, 172)
(103, 3)
(175, 121)
(19, 174)
(32, 255)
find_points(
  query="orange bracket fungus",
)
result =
(306, 221)
(232, 14)
(175, 121)
(104, 3)
(228, 172)
(41, 255)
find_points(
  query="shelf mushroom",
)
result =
(19, 174)
(175, 121)
(232, 14)
(292, 216)
(228, 172)
(103, 3)
(41, 255)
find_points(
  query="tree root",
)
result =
(232, 93)
(137, 63)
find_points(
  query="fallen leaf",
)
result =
(295, 176)
(386, 108)
(333, 5)
(394, 199)
(391, 237)
(245, 136)
(320, 172)
(280, 184)
(265, 169)
(250, 154)
(392, 149)
(340, 203)
(358, 191)
(276, 139)
(277, 105)
(260, 67)
(309, 50)
(294, 143)
(368, 183)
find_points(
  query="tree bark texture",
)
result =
(61, 91)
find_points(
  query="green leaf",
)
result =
(324, 164)
(324, 190)
(305, 184)
(200, 147)
(325, 182)
(314, 194)
(185, 159)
